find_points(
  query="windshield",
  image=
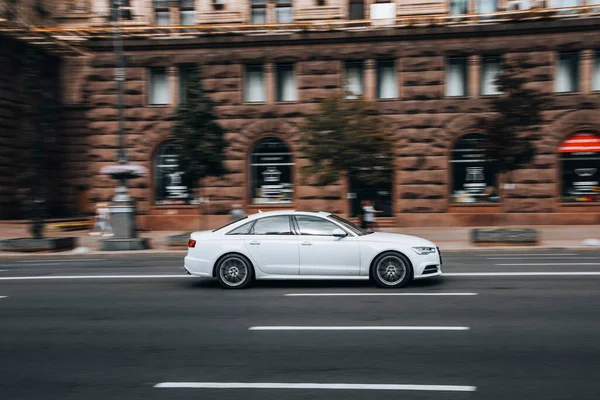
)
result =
(349, 225)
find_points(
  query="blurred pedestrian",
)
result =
(237, 212)
(369, 212)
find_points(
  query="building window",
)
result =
(124, 10)
(354, 78)
(567, 73)
(459, 7)
(580, 163)
(284, 12)
(490, 69)
(185, 74)
(255, 90)
(486, 6)
(356, 9)
(258, 11)
(456, 76)
(596, 72)
(286, 83)
(169, 181)
(162, 14)
(187, 13)
(271, 171)
(387, 85)
(159, 87)
(474, 178)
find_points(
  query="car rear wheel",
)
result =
(234, 271)
(391, 270)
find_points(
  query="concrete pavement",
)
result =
(447, 238)
(528, 337)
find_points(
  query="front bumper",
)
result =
(428, 266)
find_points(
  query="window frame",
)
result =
(264, 84)
(364, 11)
(449, 60)
(158, 6)
(150, 72)
(576, 57)
(292, 231)
(345, 84)
(378, 67)
(278, 97)
(484, 59)
(258, 4)
(186, 6)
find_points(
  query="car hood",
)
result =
(409, 240)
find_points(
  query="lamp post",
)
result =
(122, 211)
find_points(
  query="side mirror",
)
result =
(339, 233)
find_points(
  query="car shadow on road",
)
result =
(213, 284)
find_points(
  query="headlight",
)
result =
(423, 251)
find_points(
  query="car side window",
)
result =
(315, 226)
(242, 230)
(279, 225)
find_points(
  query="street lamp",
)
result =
(122, 211)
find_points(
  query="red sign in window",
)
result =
(581, 143)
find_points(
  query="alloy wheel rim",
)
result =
(391, 270)
(233, 271)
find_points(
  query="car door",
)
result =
(321, 253)
(273, 246)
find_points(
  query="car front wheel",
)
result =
(234, 271)
(391, 270)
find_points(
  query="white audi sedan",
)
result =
(308, 245)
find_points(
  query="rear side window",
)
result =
(242, 230)
(279, 225)
(315, 226)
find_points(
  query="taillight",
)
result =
(191, 243)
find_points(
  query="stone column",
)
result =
(173, 82)
(370, 80)
(587, 66)
(270, 83)
(473, 74)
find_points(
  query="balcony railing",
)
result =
(433, 20)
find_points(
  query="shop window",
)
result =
(354, 72)
(490, 69)
(596, 71)
(474, 178)
(255, 90)
(456, 77)
(159, 87)
(378, 193)
(567, 73)
(258, 11)
(187, 12)
(169, 181)
(286, 83)
(284, 12)
(580, 165)
(356, 9)
(271, 173)
(387, 85)
(162, 14)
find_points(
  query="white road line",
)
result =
(48, 277)
(532, 258)
(3, 297)
(58, 261)
(542, 264)
(313, 386)
(358, 328)
(377, 294)
(574, 273)
(532, 255)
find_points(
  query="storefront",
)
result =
(271, 171)
(169, 183)
(474, 178)
(580, 168)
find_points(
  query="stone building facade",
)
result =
(429, 76)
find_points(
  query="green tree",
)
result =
(346, 137)
(38, 135)
(199, 139)
(518, 113)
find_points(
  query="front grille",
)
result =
(430, 269)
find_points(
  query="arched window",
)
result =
(580, 164)
(271, 173)
(474, 178)
(169, 183)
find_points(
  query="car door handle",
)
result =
(306, 243)
(254, 243)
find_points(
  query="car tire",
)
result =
(234, 271)
(391, 270)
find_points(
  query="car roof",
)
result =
(262, 214)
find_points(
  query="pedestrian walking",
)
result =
(369, 212)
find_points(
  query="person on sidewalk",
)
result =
(369, 212)
(237, 212)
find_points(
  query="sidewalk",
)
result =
(447, 238)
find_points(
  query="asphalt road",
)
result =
(117, 330)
